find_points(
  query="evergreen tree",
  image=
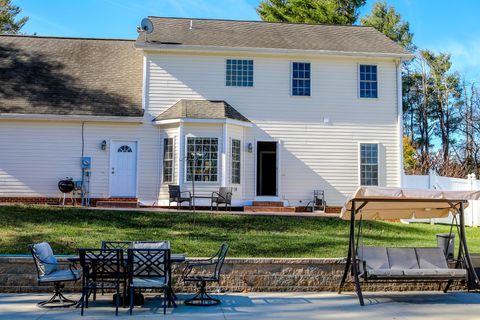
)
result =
(8, 14)
(310, 11)
(385, 19)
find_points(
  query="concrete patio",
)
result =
(299, 306)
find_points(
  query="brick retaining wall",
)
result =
(17, 274)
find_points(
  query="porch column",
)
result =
(223, 180)
(181, 147)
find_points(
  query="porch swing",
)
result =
(368, 264)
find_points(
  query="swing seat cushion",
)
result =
(381, 262)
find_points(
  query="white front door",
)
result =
(123, 169)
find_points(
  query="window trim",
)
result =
(173, 160)
(239, 161)
(291, 79)
(359, 160)
(185, 162)
(358, 80)
(225, 72)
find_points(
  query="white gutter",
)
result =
(195, 120)
(57, 117)
(275, 51)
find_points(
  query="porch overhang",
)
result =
(202, 111)
(193, 120)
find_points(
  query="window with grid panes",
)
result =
(236, 150)
(301, 79)
(239, 73)
(369, 164)
(368, 81)
(168, 160)
(202, 159)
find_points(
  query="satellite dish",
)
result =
(147, 25)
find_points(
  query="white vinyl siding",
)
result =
(37, 154)
(315, 154)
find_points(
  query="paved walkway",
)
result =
(259, 306)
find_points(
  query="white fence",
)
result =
(434, 182)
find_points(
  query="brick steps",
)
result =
(267, 203)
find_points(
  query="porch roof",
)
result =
(201, 109)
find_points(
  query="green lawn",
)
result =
(198, 234)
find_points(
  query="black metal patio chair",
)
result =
(102, 269)
(203, 271)
(223, 196)
(49, 271)
(149, 269)
(178, 196)
(123, 245)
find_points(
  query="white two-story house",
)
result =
(273, 110)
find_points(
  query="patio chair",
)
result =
(123, 245)
(176, 195)
(102, 269)
(149, 269)
(48, 272)
(206, 270)
(223, 196)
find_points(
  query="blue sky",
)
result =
(440, 25)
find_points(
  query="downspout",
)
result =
(400, 120)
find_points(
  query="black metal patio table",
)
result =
(174, 258)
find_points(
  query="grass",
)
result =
(198, 234)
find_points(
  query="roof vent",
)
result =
(191, 25)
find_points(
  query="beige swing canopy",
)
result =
(381, 203)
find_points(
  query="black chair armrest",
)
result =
(191, 266)
(189, 193)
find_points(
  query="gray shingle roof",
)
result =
(257, 34)
(201, 109)
(70, 76)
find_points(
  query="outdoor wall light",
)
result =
(103, 145)
(249, 147)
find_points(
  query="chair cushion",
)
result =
(149, 282)
(151, 245)
(420, 272)
(45, 253)
(452, 272)
(61, 275)
(433, 258)
(384, 272)
(402, 258)
(375, 257)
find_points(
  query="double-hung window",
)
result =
(301, 79)
(202, 159)
(168, 160)
(236, 150)
(368, 81)
(369, 164)
(239, 73)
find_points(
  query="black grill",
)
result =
(66, 186)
